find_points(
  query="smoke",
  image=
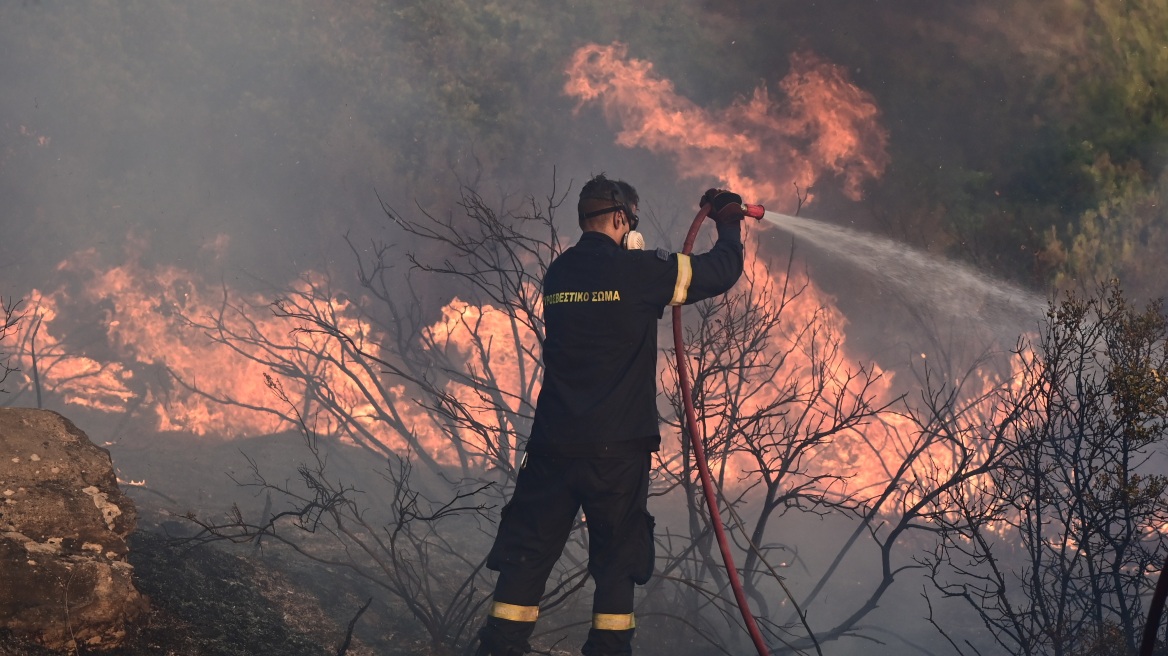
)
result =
(159, 158)
(254, 127)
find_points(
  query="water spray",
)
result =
(755, 212)
(947, 288)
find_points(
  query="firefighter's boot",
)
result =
(501, 637)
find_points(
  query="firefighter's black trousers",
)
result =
(549, 493)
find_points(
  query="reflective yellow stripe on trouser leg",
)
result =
(613, 622)
(513, 613)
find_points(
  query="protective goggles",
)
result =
(634, 220)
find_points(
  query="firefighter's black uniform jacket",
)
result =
(595, 426)
(601, 308)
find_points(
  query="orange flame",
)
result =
(500, 358)
(156, 327)
(141, 314)
(77, 378)
(155, 355)
(193, 358)
(812, 384)
(771, 149)
(758, 147)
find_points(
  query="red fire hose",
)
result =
(755, 211)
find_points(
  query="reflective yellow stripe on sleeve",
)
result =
(611, 622)
(684, 275)
(514, 613)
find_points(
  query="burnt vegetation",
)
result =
(1028, 141)
(1031, 497)
(1057, 544)
(10, 317)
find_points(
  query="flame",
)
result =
(77, 378)
(145, 344)
(760, 147)
(770, 150)
(41, 140)
(500, 357)
(193, 358)
(774, 149)
(814, 380)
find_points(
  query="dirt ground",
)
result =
(228, 600)
(209, 601)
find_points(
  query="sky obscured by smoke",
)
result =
(250, 136)
(211, 131)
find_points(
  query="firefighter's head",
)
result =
(610, 206)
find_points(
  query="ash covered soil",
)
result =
(211, 601)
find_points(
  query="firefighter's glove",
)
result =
(724, 205)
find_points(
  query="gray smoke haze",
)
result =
(243, 140)
(273, 123)
(176, 125)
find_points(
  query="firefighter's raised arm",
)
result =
(694, 278)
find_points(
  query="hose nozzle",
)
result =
(753, 211)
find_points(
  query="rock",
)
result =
(64, 578)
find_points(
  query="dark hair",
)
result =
(601, 193)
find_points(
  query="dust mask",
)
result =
(633, 241)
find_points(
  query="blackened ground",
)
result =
(209, 601)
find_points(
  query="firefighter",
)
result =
(595, 426)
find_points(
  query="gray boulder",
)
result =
(64, 579)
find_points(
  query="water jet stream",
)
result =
(949, 289)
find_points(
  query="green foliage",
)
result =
(1119, 122)
(1123, 238)
(1082, 192)
(1129, 99)
(1001, 116)
(1109, 365)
